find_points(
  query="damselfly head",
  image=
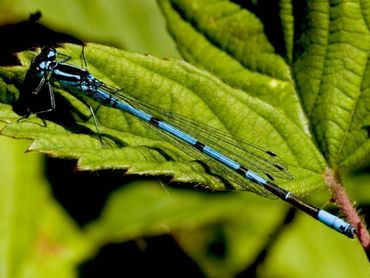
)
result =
(48, 53)
(42, 61)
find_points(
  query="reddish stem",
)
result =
(340, 197)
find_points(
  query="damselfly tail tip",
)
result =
(351, 231)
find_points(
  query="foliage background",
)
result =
(59, 223)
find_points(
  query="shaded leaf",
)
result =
(38, 239)
(199, 220)
(145, 209)
(308, 249)
(170, 210)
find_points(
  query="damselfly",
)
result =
(245, 159)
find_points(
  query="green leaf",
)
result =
(287, 22)
(333, 75)
(148, 209)
(235, 98)
(144, 209)
(174, 86)
(230, 42)
(38, 239)
(308, 249)
(325, 62)
(303, 248)
(199, 220)
(306, 241)
(17, 200)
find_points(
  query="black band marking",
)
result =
(242, 170)
(199, 145)
(114, 103)
(154, 121)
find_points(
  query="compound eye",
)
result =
(49, 53)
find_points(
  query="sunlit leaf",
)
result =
(332, 73)
(230, 42)
(175, 86)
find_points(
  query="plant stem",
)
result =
(340, 198)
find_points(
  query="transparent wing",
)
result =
(251, 156)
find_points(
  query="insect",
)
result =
(242, 159)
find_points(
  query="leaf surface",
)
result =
(174, 86)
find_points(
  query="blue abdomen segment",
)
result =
(254, 177)
(220, 157)
(105, 97)
(336, 223)
(179, 134)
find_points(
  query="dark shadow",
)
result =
(220, 176)
(217, 245)
(268, 11)
(301, 27)
(158, 256)
(65, 115)
(26, 35)
(83, 194)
